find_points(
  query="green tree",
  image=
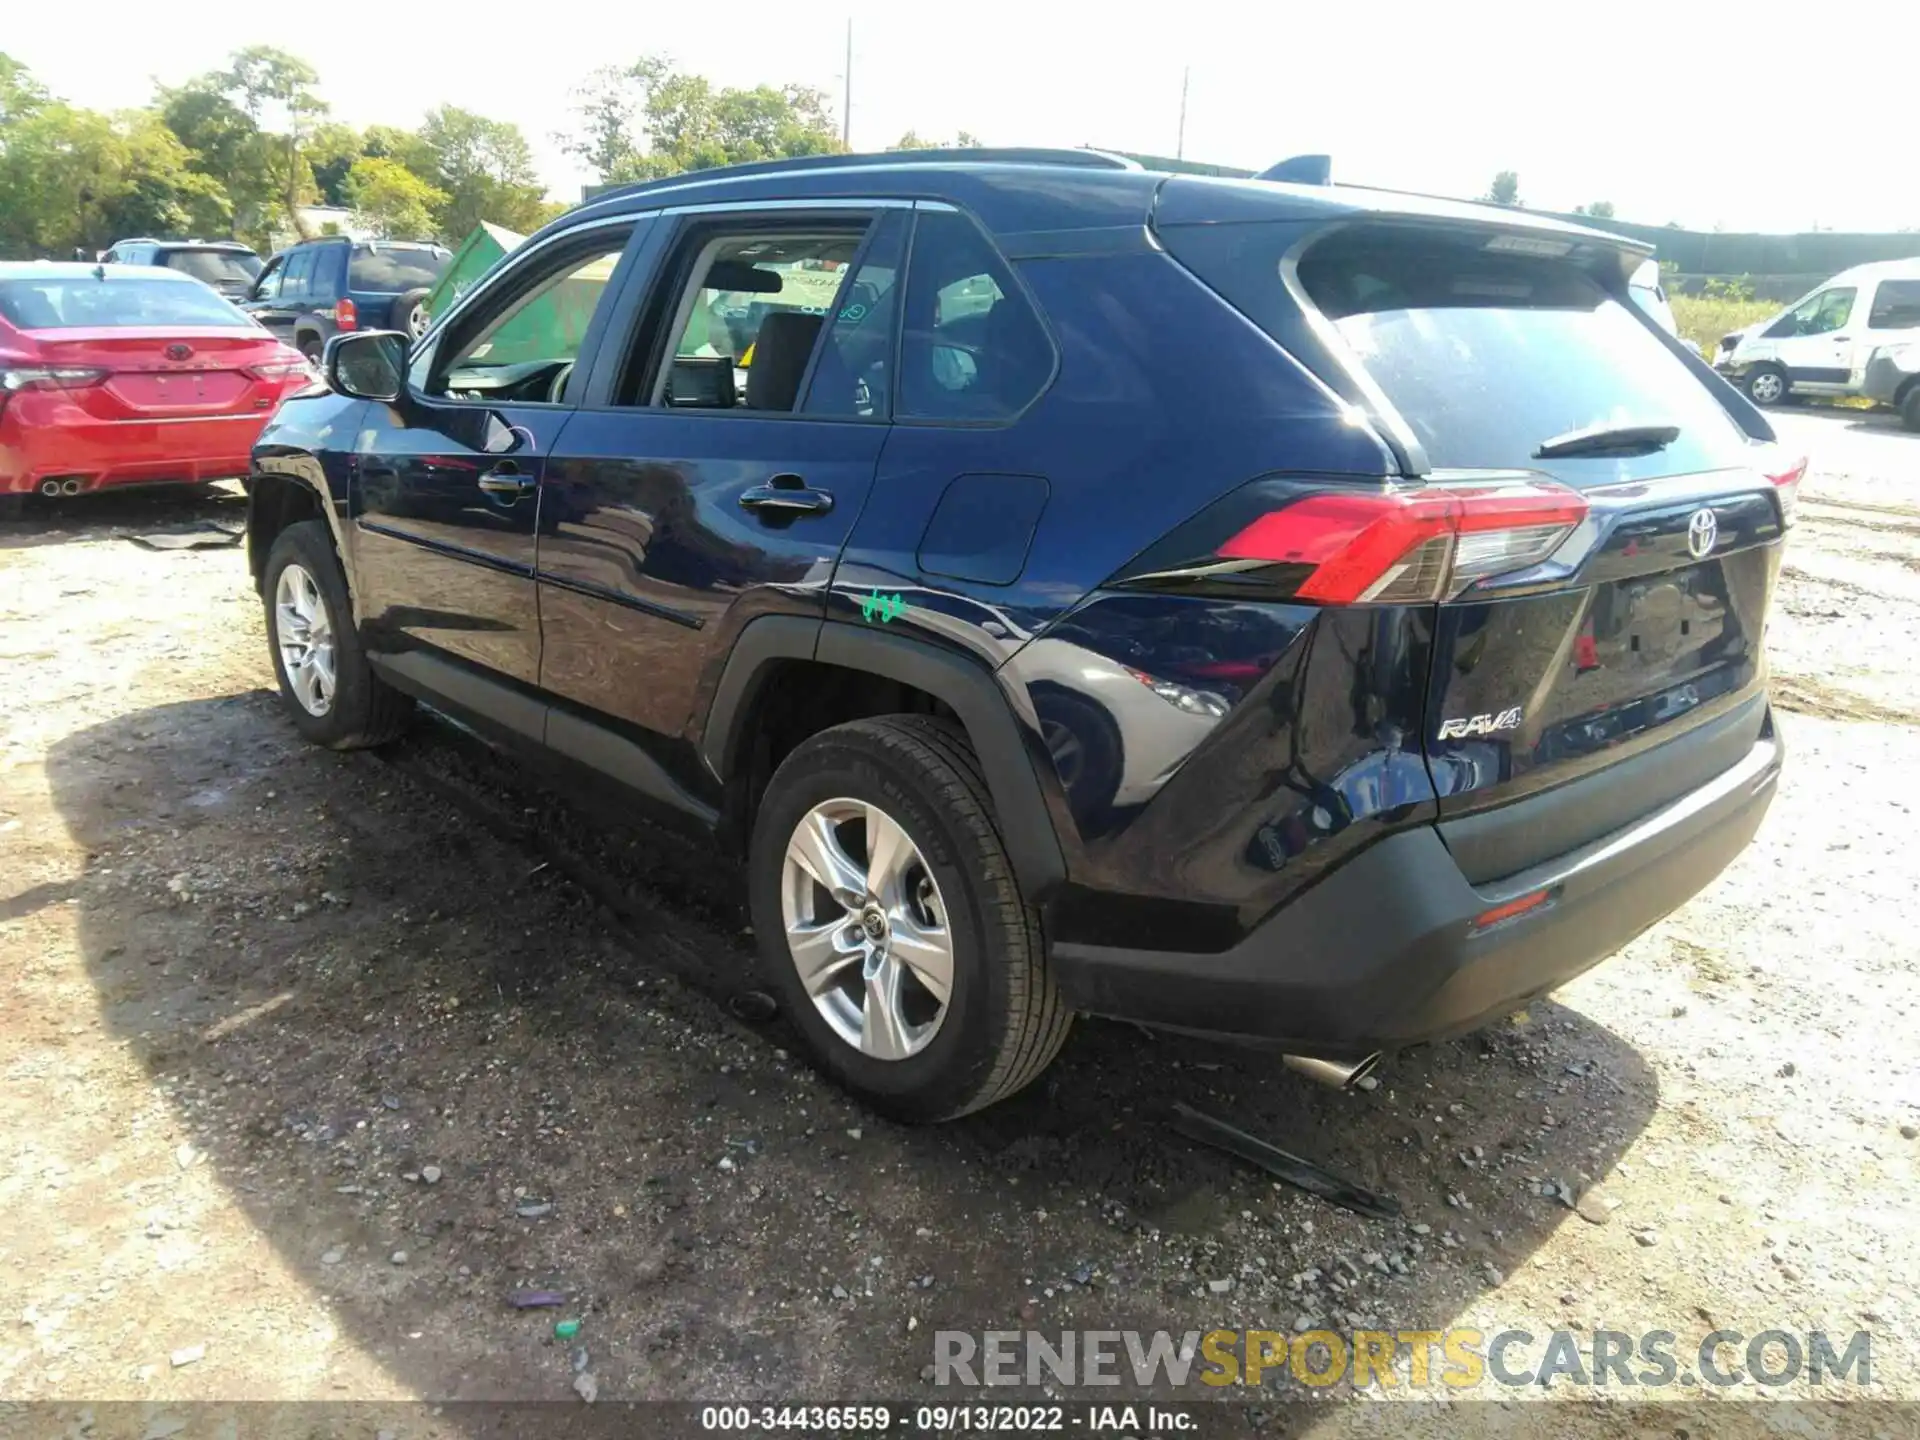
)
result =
(20, 93)
(75, 179)
(485, 170)
(225, 145)
(689, 124)
(1505, 189)
(331, 151)
(1599, 210)
(272, 85)
(912, 140)
(390, 200)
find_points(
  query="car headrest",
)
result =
(780, 355)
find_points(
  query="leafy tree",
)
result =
(1599, 210)
(689, 124)
(390, 200)
(912, 140)
(225, 145)
(248, 126)
(20, 93)
(330, 156)
(1505, 189)
(484, 170)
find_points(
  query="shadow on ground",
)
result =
(346, 969)
(62, 519)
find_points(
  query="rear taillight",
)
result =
(1407, 546)
(16, 378)
(48, 377)
(1786, 484)
(291, 367)
(346, 314)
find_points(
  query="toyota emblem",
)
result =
(177, 351)
(1702, 530)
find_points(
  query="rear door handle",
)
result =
(505, 482)
(788, 495)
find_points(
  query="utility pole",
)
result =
(1180, 145)
(846, 104)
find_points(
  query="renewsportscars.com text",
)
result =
(1455, 1359)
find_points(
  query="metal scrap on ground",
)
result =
(1283, 1164)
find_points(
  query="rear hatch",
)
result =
(1607, 657)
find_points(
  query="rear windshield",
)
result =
(72, 303)
(391, 269)
(214, 266)
(1488, 354)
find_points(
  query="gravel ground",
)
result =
(310, 1060)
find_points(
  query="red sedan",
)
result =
(128, 375)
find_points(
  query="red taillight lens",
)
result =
(1786, 484)
(1397, 547)
(293, 367)
(346, 314)
(16, 378)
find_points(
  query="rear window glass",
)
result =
(1487, 355)
(72, 303)
(972, 347)
(390, 269)
(1896, 306)
(214, 266)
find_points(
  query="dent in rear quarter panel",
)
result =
(1190, 828)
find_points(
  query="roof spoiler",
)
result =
(1301, 170)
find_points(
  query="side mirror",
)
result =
(367, 364)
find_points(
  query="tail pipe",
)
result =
(1339, 1074)
(50, 487)
(70, 487)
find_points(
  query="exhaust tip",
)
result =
(50, 487)
(1337, 1074)
(69, 487)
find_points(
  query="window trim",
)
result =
(425, 361)
(1033, 305)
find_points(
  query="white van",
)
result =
(1820, 344)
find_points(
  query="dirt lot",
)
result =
(310, 1060)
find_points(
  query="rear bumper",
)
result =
(1382, 953)
(125, 452)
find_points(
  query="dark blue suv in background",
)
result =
(317, 289)
(1304, 614)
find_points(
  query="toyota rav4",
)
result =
(1309, 615)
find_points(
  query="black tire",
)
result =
(1767, 385)
(1910, 409)
(403, 316)
(312, 346)
(1005, 1020)
(365, 710)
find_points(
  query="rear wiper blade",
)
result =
(1609, 440)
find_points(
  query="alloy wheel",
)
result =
(304, 632)
(1766, 387)
(867, 928)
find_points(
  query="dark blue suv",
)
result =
(1303, 614)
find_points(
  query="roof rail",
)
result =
(800, 164)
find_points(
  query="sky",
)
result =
(1677, 112)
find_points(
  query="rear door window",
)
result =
(293, 279)
(1486, 354)
(1896, 306)
(972, 346)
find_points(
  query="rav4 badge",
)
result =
(1480, 724)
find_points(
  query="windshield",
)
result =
(215, 267)
(391, 269)
(81, 302)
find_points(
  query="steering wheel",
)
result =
(557, 387)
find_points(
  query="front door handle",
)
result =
(786, 495)
(505, 482)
